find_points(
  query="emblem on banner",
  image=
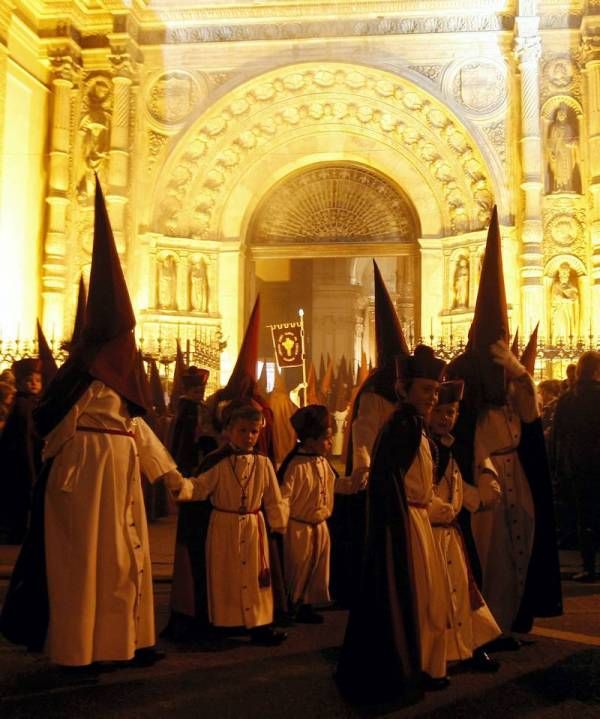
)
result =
(287, 341)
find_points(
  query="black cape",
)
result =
(380, 658)
(542, 596)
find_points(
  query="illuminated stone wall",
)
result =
(195, 116)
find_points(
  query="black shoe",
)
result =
(481, 662)
(586, 577)
(502, 644)
(267, 637)
(147, 657)
(434, 684)
(307, 615)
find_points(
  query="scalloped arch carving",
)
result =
(312, 100)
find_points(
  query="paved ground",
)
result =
(556, 676)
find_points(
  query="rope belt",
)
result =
(236, 511)
(418, 505)
(102, 430)
(502, 452)
(305, 521)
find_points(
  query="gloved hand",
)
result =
(502, 355)
(174, 481)
(489, 490)
(440, 512)
(359, 479)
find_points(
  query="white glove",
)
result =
(360, 479)
(440, 512)
(489, 490)
(174, 481)
(502, 355)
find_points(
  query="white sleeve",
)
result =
(198, 488)
(154, 458)
(277, 509)
(373, 410)
(66, 428)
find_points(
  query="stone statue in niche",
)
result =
(167, 283)
(563, 152)
(94, 130)
(199, 288)
(564, 295)
(460, 283)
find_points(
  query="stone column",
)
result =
(120, 143)
(590, 53)
(432, 288)
(64, 73)
(527, 50)
(6, 11)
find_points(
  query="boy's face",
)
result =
(321, 445)
(443, 418)
(33, 383)
(423, 394)
(243, 433)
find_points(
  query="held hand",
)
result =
(502, 355)
(360, 479)
(174, 481)
(489, 490)
(440, 512)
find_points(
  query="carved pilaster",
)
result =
(527, 50)
(590, 55)
(64, 74)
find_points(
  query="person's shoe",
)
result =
(481, 662)
(147, 657)
(267, 637)
(307, 615)
(502, 644)
(434, 684)
(586, 577)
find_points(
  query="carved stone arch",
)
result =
(576, 263)
(313, 102)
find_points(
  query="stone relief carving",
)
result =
(94, 132)
(389, 106)
(564, 300)
(432, 72)
(564, 227)
(496, 133)
(172, 96)
(562, 152)
(480, 86)
(460, 283)
(198, 286)
(166, 283)
(560, 74)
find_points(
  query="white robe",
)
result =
(309, 484)
(97, 550)
(469, 628)
(237, 545)
(431, 589)
(504, 535)
(373, 411)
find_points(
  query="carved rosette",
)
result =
(560, 75)
(479, 86)
(564, 229)
(171, 96)
(256, 116)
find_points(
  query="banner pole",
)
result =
(304, 396)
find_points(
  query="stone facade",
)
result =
(230, 137)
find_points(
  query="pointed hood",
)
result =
(143, 380)
(514, 348)
(363, 370)
(79, 313)
(177, 385)
(262, 380)
(389, 337)
(490, 321)
(530, 352)
(312, 394)
(326, 384)
(242, 383)
(48, 364)
(280, 383)
(156, 389)
(322, 369)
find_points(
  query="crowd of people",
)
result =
(439, 536)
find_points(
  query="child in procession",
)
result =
(240, 484)
(308, 482)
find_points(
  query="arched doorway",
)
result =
(310, 245)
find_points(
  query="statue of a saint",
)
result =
(563, 154)
(167, 283)
(461, 283)
(199, 289)
(565, 304)
(94, 130)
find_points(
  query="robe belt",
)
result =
(502, 452)
(418, 505)
(236, 511)
(103, 430)
(305, 521)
